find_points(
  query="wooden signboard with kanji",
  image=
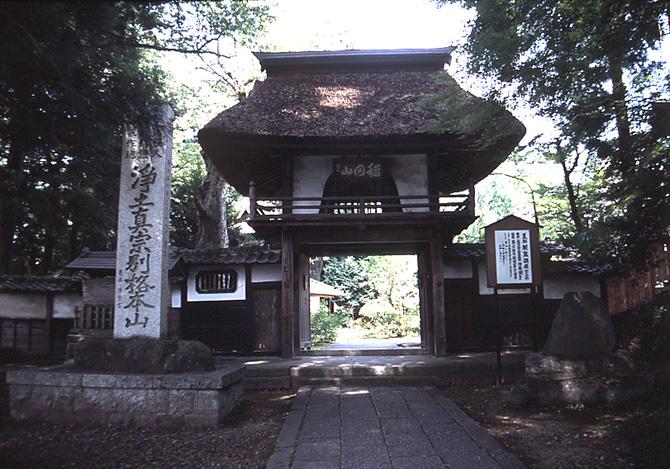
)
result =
(513, 253)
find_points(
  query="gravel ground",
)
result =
(244, 440)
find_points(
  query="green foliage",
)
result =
(324, 326)
(588, 66)
(188, 176)
(493, 202)
(464, 114)
(71, 74)
(382, 320)
(349, 275)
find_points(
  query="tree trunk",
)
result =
(211, 204)
(316, 268)
(572, 199)
(624, 157)
(7, 228)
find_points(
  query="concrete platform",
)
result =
(370, 427)
(412, 370)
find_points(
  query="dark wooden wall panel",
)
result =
(223, 325)
(267, 313)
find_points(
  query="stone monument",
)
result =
(142, 292)
(578, 364)
(140, 376)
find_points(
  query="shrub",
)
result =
(382, 320)
(325, 325)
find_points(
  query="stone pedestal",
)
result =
(64, 395)
(607, 380)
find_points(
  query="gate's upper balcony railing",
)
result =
(402, 206)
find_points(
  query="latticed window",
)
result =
(220, 281)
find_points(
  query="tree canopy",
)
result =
(590, 66)
(71, 73)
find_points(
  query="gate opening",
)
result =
(364, 303)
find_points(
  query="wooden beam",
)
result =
(251, 314)
(286, 180)
(288, 297)
(47, 322)
(437, 284)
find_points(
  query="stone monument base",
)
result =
(63, 394)
(554, 381)
(142, 355)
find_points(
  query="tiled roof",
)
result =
(478, 250)
(568, 266)
(243, 255)
(573, 267)
(106, 260)
(45, 284)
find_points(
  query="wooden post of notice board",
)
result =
(512, 261)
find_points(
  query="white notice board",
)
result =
(513, 257)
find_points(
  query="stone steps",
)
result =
(412, 374)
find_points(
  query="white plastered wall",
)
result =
(556, 286)
(409, 173)
(238, 294)
(485, 290)
(175, 296)
(266, 273)
(18, 305)
(457, 269)
(65, 304)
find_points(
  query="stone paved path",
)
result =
(366, 428)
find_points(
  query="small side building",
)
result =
(36, 313)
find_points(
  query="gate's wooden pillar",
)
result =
(425, 299)
(437, 289)
(287, 295)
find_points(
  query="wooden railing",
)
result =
(94, 318)
(275, 208)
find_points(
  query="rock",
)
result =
(142, 355)
(190, 355)
(582, 328)
(605, 380)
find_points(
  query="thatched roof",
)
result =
(378, 109)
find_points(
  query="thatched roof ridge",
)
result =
(340, 105)
(374, 110)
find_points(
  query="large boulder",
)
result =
(582, 328)
(142, 355)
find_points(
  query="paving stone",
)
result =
(409, 444)
(280, 459)
(301, 398)
(399, 425)
(318, 449)
(357, 427)
(365, 456)
(316, 465)
(418, 462)
(389, 403)
(355, 439)
(381, 428)
(289, 431)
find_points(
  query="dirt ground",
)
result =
(245, 440)
(634, 435)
